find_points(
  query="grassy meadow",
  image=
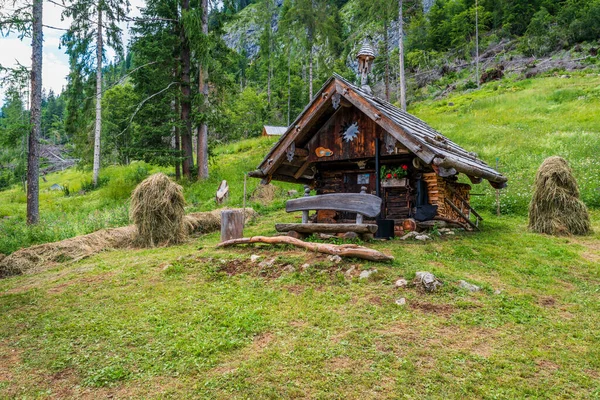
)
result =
(193, 321)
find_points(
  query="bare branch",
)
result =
(141, 104)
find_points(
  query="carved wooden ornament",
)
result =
(291, 151)
(335, 101)
(323, 152)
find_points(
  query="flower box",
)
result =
(394, 182)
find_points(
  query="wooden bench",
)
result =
(363, 204)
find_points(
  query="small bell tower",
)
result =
(365, 57)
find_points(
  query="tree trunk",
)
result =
(175, 141)
(289, 93)
(202, 148)
(387, 59)
(98, 127)
(310, 75)
(310, 64)
(477, 43)
(401, 56)
(186, 101)
(270, 66)
(33, 157)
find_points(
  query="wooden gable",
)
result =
(360, 142)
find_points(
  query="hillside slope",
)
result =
(520, 122)
(193, 321)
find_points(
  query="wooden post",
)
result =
(245, 191)
(497, 194)
(305, 212)
(232, 225)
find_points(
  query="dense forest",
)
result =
(189, 79)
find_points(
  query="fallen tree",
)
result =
(344, 250)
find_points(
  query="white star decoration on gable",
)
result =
(350, 132)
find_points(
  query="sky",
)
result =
(55, 64)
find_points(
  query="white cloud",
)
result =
(55, 64)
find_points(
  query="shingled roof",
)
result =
(425, 142)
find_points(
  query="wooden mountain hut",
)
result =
(347, 139)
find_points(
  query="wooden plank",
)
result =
(300, 152)
(451, 204)
(465, 202)
(302, 169)
(327, 228)
(365, 204)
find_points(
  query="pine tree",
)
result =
(95, 21)
(33, 157)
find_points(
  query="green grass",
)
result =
(521, 123)
(192, 321)
(172, 322)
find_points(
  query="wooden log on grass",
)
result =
(327, 228)
(232, 225)
(344, 250)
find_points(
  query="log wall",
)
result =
(438, 189)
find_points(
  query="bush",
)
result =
(88, 185)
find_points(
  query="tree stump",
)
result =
(232, 225)
(222, 192)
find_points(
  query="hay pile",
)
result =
(204, 222)
(264, 194)
(44, 256)
(555, 208)
(41, 257)
(157, 210)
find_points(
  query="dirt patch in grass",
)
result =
(261, 341)
(93, 280)
(375, 300)
(424, 340)
(273, 268)
(295, 289)
(298, 324)
(344, 363)
(431, 308)
(547, 301)
(10, 358)
(592, 249)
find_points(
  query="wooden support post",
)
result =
(359, 216)
(305, 212)
(302, 169)
(232, 225)
(497, 193)
(453, 206)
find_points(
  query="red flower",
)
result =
(389, 176)
(395, 175)
(405, 167)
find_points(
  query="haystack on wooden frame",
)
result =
(347, 138)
